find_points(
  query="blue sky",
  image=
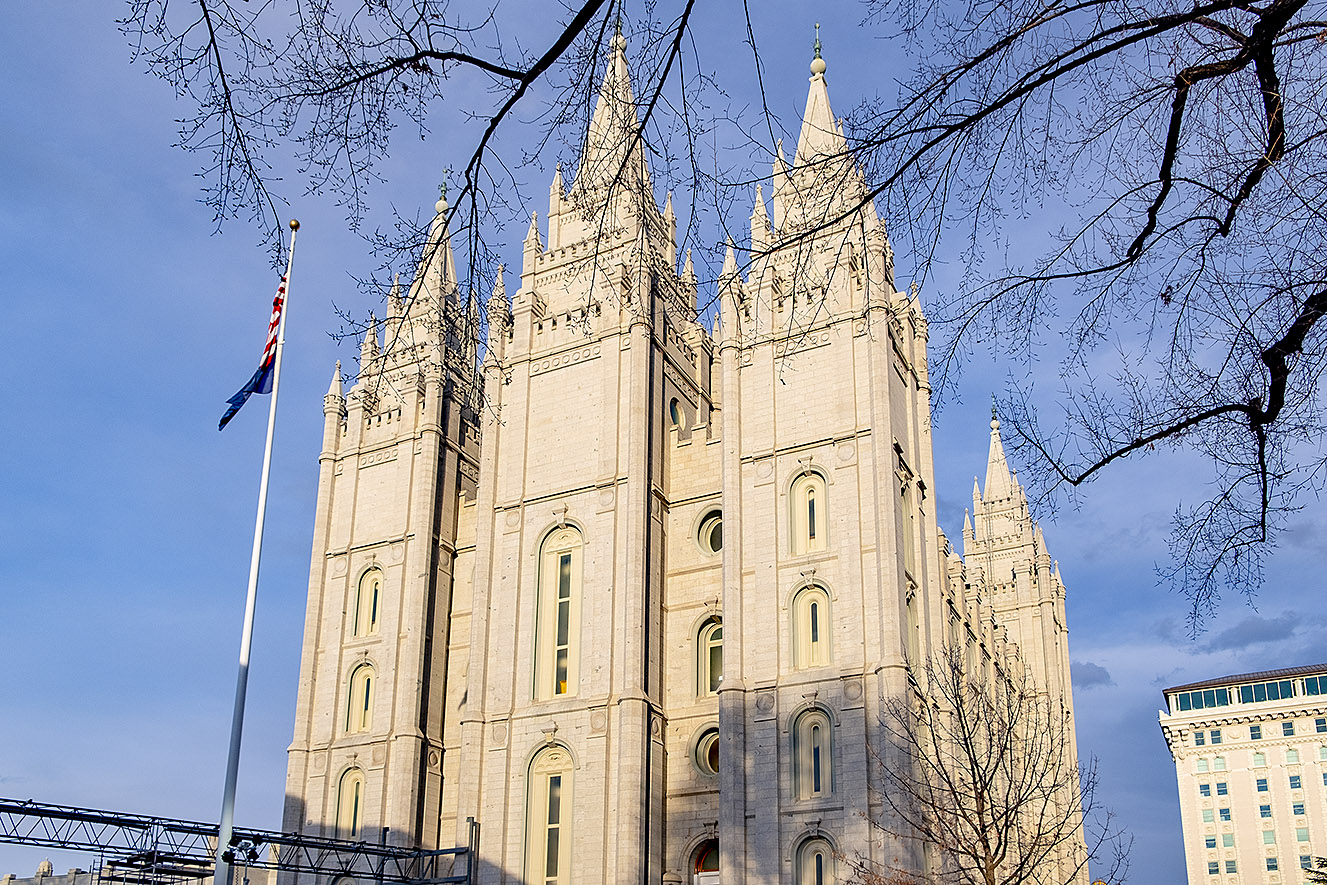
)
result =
(125, 518)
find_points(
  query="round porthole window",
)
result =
(710, 535)
(707, 752)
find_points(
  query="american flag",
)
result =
(261, 382)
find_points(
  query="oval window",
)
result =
(707, 752)
(710, 535)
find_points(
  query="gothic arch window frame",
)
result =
(352, 777)
(707, 680)
(803, 857)
(811, 622)
(548, 805)
(360, 690)
(811, 731)
(696, 854)
(557, 644)
(808, 511)
(374, 606)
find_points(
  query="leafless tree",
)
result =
(983, 772)
(1179, 145)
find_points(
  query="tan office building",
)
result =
(1251, 759)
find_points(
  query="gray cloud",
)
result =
(1086, 674)
(1254, 630)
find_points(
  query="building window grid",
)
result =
(1215, 736)
(1273, 690)
(557, 627)
(1297, 808)
(1288, 728)
(1205, 790)
(1264, 811)
(1223, 814)
(1200, 738)
(1227, 840)
(1295, 782)
(1260, 785)
(1221, 788)
(1255, 732)
(1320, 725)
(1271, 864)
(1230, 866)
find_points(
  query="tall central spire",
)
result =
(613, 151)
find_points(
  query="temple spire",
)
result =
(438, 266)
(613, 151)
(820, 137)
(999, 481)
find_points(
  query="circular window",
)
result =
(707, 752)
(710, 535)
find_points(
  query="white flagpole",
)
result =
(223, 865)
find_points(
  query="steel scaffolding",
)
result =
(141, 850)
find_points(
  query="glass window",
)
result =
(1320, 725)
(1301, 834)
(1269, 837)
(1219, 763)
(1202, 765)
(1288, 729)
(1322, 754)
(557, 627)
(709, 657)
(1208, 816)
(675, 414)
(350, 804)
(1216, 735)
(811, 627)
(1295, 782)
(1223, 813)
(1297, 808)
(707, 752)
(1221, 788)
(1205, 790)
(1267, 691)
(1198, 700)
(1230, 866)
(815, 863)
(1271, 863)
(1210, 841)
(1255, 732)
(1305, 862)
(808, 512)
(1259, 760)
(367, 597)
(1315, 685)
(1264, 811)
(1213, 867)
(1227, 840)
(1261, 784)
(1292, 756)
(548, 847)
(813, 755)
(1200, 738)
(710, 535)
(359, 701)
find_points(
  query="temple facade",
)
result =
(629, 591)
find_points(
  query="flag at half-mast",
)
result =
(261, 382)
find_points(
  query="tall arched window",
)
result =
(705, 864)
(365, 618)
(709, 657)
(675, 414)
(813, 742)
(350, 804)
(359, 702)
(811, 627)
(815, 863)
(808, 512)
(548, 820)
(558, 629)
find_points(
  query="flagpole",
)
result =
(223, 864)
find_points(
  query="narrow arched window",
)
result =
(815, 863)
(548, 820)
(709, 657)
(706, 864)
(811, 627)
(367, 596)
(813, 755)
(675, 414)
(557, 630)
(350, 804)
(359, 704)
(808, 513)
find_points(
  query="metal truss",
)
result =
(142, 849)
